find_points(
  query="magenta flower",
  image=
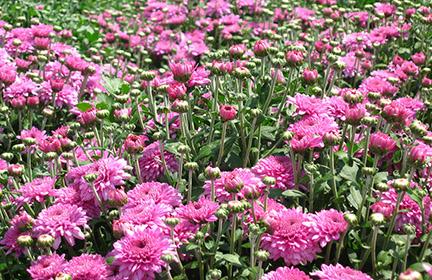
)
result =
(88, 266)
(182, 71)
(151, 163)
(37, 190)
(329, 225)
(61, 220)
(227, 112)
(47, 267)
(160, 193)
(339, 272)
(138, 255)
(278, 167)
(285, 273)
(198, 212)
(21, 224)
(290, 236)
(242, 174)
(381, 143)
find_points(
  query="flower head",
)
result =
(138, 255)
(87, 266)
(47, 267)
(61, 220)
(339, 272)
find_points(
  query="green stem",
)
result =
(425, 246)
(222, 142)
(189, 199)
(393, 219)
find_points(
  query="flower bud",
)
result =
(15, 170)
(351, 219)
(212, 172)
(215, 274)
(236, 206)
(410, 275)
(172, 222)
(63, 276)
(25, 240)
(90, 178)
(45, 241)
(377, 218)
(368, 171)
(7, 156)
(382, 187)
(227, 112)
(191, 165)
(168, 258)
(102, 114)
(18, 147)
(262, 255)
(222, 213)
(400, 184)
(269, 181)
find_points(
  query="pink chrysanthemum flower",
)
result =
(138, 255)
(278, 167)
(37, 190)
(290, 237)
(111, 173)
(151, 163)
(61, 220)
(339, 272)
(147, 213)
(410, 212)
(88, 266)
(33, 133)
(47, 267)
(328, 226)
(160, 193)
(285, 273)
(246, 176)
(21, 224)
(198, 212)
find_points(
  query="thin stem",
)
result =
(222, 142)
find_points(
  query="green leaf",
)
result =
(349, 172)
(112, 85)
(354, 198)
(293, 194)
(232, 258)
(83, 106)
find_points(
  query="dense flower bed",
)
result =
(217, 140)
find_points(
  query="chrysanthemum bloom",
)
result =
(310, 76)
(151, 163)
(285, 273)
(138, 255)
(147, 214)
(160, 193)
(307, 105)
(328, 226)
(47, 267)
(61, 220)
(278, 167)
(21, 224)
(182, 71)
(75, 63)
(198, 212)
(410, 212)
(380, 143)
(420, 153)
(32, 134)
(176, 90)
(339, 272)
(261, 47)
(227, 112)
(88, 266)
(134, 143)
(111, 173)
(244, 175)
(37, 190)
(290, 237)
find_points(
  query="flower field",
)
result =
(216, 139)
